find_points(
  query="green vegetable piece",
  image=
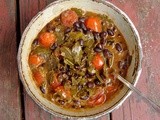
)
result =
(77, 53)
(68, 62)
(66, 53)
(78, 11)
(51, 63)
(44, 52)
(59, 32)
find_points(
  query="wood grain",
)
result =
(10, 103)
(144, 14)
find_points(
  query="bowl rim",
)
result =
(119, 102)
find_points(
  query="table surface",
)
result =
(15, 104)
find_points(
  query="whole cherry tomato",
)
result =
(98, 61)
(94, 23)
(47, 39)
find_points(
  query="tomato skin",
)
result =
(98, 61)
(98, 98)
(68, 18)
(47, 39)
(38, 77)
(35, 60)
(55, 83)
(93, 23)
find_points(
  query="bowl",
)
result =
(123, 23)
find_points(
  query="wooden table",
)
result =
(15, 104)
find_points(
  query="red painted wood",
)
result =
(10, 105)
(145, 15)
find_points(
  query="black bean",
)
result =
(97, 82)
(67, 68)
(107, 53)
(97, 49)
(62, 102)
(82, 19)
(76, 66)
(81, 42)
(82, 25)
(103, 35)
(90, 84)
(88, 31)
(110, 32)
(96, 36)
(103, 41)
(67, 30)
(122, 64)
(54, 46)
(129, 59)
(61, 61)
(99, 46)
(118, 47)
(76, 25)
(43, 90)
(35, 42)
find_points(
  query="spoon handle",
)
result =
(129, 85)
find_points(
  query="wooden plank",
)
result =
(29, 8)
(10, 107)
(144, 14)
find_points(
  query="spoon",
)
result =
(129, 85)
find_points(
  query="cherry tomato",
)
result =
(47, 39)
(35, 60)
(55, 83)
(68, 18)
(98, 61)
(94, 23)
(65, 93)
(38, 77)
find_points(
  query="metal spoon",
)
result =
(129, 85)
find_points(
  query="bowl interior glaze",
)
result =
(51, 11)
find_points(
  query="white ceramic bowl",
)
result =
(46, 15)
